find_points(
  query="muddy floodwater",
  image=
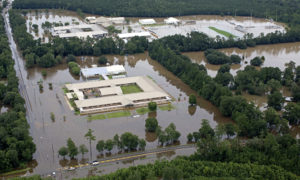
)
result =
(49, 135)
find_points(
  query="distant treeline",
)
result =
(285, 11)
(16, 145)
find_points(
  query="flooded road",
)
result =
(49, 135)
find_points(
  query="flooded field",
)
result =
(200, 23)
(36, 17)
(49, 135)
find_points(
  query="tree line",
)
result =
(285, 11)
(16, 144)
(126, 142)
(52, 53)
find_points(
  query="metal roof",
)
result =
(130, 35)
(108, 70)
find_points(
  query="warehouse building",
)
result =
(147, 21)
(109, 95)
(131, 35)
(103, 71)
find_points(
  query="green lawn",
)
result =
(142, 111)
(168, 107)
(97, 117)
(15, 172)
(132, 88)
(109, 115)
(119, 114)
(225, 33)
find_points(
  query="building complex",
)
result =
(115, 94)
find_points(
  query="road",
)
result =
(123, 157)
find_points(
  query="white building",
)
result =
(131, 35)
(147, 21)
(102, 71)
(171, 20)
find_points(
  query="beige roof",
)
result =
(110, 90)
(123, 99)
(145, 83)
(150, 90)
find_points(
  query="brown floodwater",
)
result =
(276, 55)
(49, 135)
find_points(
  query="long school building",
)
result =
(109, 95)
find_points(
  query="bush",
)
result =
(235, 59)
(257, 61)
(152, 106)
(192, 99)
(151, 124)
(102, 60)
(71, 58)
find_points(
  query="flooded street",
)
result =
(49, 135)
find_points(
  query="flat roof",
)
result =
(112, 86)
(130, 35)
(147, 21)
(81, 34)
(88, 72)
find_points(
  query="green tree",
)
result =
(129, 141)
(71, 58)
(151, 124)
(72, 149)
(90, 137)
(102, 60)
(83, 149)
(292, 113)
(63, 151)
(275, 100)
(109, 144)
(152, 106)
(229, 130)
(257, 61)
(206, 131)
(100, 146)
(190, 137)
(192, 100)
(117, 141)
(142, 144)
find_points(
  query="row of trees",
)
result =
(281, 150)
(216, 57)
(49, 54)
(127, 141)
(285, 11)
(16, 144)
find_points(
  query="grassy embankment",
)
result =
(224, 33)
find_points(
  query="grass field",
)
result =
(132, 88)
(168, 107)
(119, 114)
(109, 115)
(225, 33)
(15, 172)
(142, 111)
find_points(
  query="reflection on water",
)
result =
(275, 55)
